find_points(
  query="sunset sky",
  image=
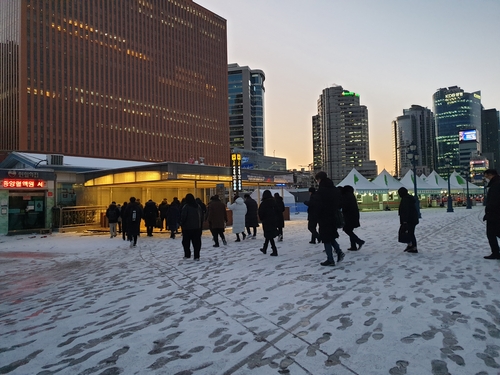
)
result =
(394, 53)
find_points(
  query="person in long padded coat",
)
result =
(217, 218)
(133, 216)
(408, 216)
(269, 213)
(326, 201)
(281, 220)
(251, 217)
(191, 223)
(150, 214)
(174, 216)
(239, 210)
(350, 210)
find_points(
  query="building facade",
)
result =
(490, 126)
(416, 126)
(455, 110)
(124, 79)
(246, 108)
(344, 137)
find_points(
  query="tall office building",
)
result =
(455, 110)
(246, 108)
(344, 138)
(490, 136)
(138, 80)
(416, 126)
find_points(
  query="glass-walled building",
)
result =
(246, 108)
(454, 110)
(136, 80)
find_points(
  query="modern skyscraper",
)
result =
(490, 141)
(246, 108)
(455, 110)
(138, 80)
(344, 138)
(417, 126)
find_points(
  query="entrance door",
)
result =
(26, 210)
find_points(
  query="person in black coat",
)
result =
(325, 204)
(281, 218)
(174, 216)
(350, 210)
(408, 217)
(492, 212)
(133, 216)
(191, 220)
(163, 208)
(113, 214)
(251, 217)
(311, 218)
(150, 216)
(269, 213)
(124, 221)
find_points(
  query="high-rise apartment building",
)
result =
(455, 110)
(416, 126)
(138, 80)
(344, 138)
(246, 108)
(490, 136)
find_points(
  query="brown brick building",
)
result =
(122, 79)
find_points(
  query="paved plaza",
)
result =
(82, 303)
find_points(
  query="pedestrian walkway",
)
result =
(88, 304)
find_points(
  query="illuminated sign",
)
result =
(467, 135)
(15, 183)
(349, 93)
(477, 96)
(236, 172)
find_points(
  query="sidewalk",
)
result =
(88, 304)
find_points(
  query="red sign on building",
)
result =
(16, 183)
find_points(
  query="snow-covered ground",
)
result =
(87, 304)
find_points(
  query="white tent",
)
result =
(360, 183)
(436, 181)
(458, 182)
(385, 180)
(422, 186)
(288, 198)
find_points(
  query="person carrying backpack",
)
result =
(113, 214)
(133, 216)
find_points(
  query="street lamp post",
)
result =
(450, 202)
(467, 175)
(412, 155)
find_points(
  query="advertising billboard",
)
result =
(467, 135)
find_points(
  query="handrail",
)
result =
(77, 216)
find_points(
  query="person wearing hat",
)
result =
(408, 218)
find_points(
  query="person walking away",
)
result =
(281, 219)
(203, 207)
(119, 223)
(325, 204)
(350, 210)
(239, 210)
(251, 217)
(408, 218)
(113, 214)
(133, 216)
(311, 218)
(163, 208)
(269, 213)
(174, 216)
(217, 218)
(124, 221)
(492, 212)
(150, 215)
(191, 220)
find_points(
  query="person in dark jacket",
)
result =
(217, 218)
(174, 216)
(281, 218)
(133, 216)
(492, 212)
(113, 214)
(251, 217)
(203, 207)
(163, 208)
(150, 216)
(124, 221)
(325, 203)
(191, 220)
(311, 218)
(269, 213)
(350, 211)
(408, 217)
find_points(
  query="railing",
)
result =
(77, 216)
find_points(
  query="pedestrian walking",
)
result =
(191, 223)
(492, 212)
(269, 213)
(326, 203)
(113, 214)
(124, 221)
(150, 216)
(174, 217)
(163, 208)
(133, 216)
(239, 210)
(350, 211)
(311, 218)
(217, 218)
(408, 220)
(281, 219)
(119, 222)
(251, 217)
